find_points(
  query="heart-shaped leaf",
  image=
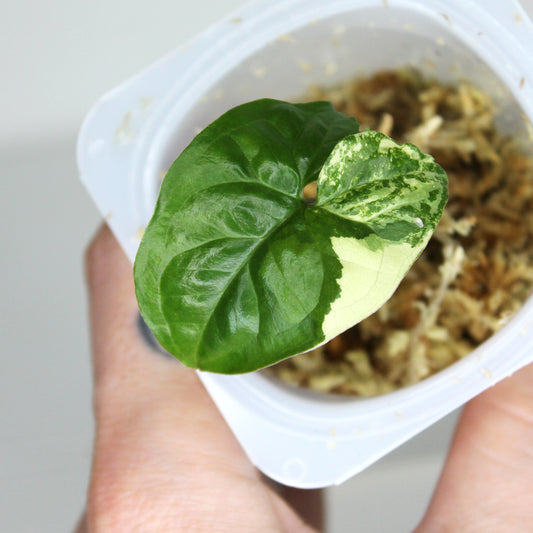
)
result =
(237, 271)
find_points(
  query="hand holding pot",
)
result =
(164, 459)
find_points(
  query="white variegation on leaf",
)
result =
(372, 180)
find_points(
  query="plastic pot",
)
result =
(278, 49)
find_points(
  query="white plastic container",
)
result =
(278, 49)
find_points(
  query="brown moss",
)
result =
(476, 271)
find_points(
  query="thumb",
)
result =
(487, 482)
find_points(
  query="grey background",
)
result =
(56, 59)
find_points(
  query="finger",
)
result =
(121, 354)
(130, 377)
(162, 449)
(487, 482)
(155, 424)
(113, 309)
(127, 370)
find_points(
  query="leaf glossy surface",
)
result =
(236, 271)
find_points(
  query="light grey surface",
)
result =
(46, 423)
(57, 62)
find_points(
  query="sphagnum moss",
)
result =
(477, 269)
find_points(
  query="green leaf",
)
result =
(236, 271)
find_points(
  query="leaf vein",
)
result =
(238, 271)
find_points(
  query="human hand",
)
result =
(164, 459)
(487, 481)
